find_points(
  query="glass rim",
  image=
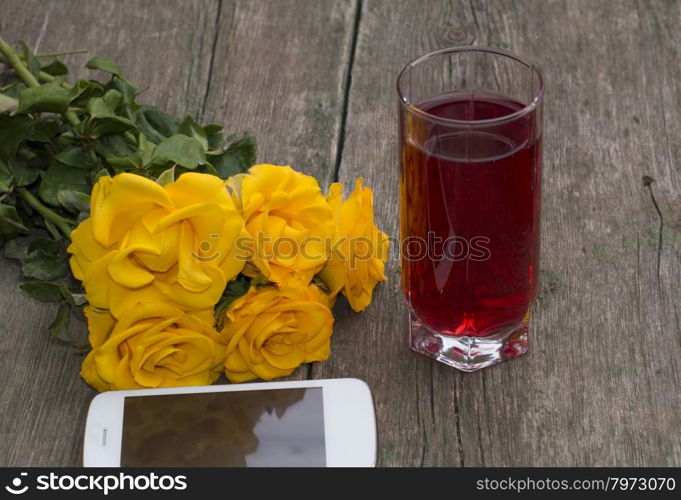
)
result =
(528, 108)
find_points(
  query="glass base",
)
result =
(467, 353)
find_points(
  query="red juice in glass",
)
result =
(474, 198)
(470, 221)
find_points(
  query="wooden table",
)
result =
(314, 79)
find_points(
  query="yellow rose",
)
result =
(154, 345)
(360, 249)
(271, 331)
(289, 221)
(175, 243)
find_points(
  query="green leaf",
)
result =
(17, 248)
(99, 108)
(48, 98)
(44, 129)
(43, 291)
(118, 152)
(236, 288)
(46, 244)
(61, 178)
(190, 128)
(105, 107)
(84, 90)
(32, 62)
(81, 217)
(165, 123)
(74, 156)
(59, 327)
(14, 89)
(147, 130)
(214, 135)
(73, 201)
(37, 158)
(94, 176)
(23, 173)
(44, 265)
(114, 145)
(213, 128)
(156, 124)
(13, 131)
(128, 89)
(167, 176)
(104, 64)
(10, 222)
(73, 297)
(207, 168)
(104, 119)
(237, 158)
(55, 68)
(6, 181)
(110, 126)
(145, 148)
(181, 150)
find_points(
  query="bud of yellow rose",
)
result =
(289, 221)
(271, 331)
(153, 345)
(360, 250)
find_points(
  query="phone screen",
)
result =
(269, 428)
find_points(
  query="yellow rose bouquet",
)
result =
(187, 260)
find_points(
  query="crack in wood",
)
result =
(478, 31)
(457, 420)
(424, 445)
(340, 143)
(480, 445)
(213, 49)
(432, 392)
(648, 182)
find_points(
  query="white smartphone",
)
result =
(312, 423)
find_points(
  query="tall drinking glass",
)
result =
(470, 189)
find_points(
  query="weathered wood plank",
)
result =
(278, 71)
(252, 65)
(43, 401)
(373, 345)
(600, 385)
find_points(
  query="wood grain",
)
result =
(43, 401)
(252, 65)
(278, 71)
(600, 385)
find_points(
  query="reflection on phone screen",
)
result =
(270, 428)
